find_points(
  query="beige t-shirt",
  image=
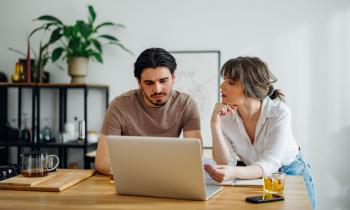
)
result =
(128, 115)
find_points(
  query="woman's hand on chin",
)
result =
(220, 111)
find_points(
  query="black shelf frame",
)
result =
(35, 144)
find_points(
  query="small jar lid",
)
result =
(33, 153)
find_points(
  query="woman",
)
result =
(254, 123)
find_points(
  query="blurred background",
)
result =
(305, 43)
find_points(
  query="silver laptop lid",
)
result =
(157, 166)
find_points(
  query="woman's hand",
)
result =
(220, 173)
(220, 111)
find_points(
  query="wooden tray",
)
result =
(54, 182)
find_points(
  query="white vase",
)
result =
(77, 69)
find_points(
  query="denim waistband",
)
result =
(298, 163)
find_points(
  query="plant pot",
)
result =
(77, 69)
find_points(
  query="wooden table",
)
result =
(98, 193)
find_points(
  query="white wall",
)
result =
(306, 44)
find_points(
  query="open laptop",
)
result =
(159, 167)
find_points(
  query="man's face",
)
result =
(156, 85)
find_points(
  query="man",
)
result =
(155, 109)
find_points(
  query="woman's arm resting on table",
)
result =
(221, 173)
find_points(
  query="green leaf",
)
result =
(102, 25)
(85, 29)
(47, 26)
(92, 14)
(50, 18)
(109, 37)
(68, 31)
(97, 45)
(122, 46)
(98, 57)
(108, 24)
(56, 54)
(77, 27)
(35, 30)
(56, 35)
(119, 25)
(44, 61)
(73, 45)
(90, 53)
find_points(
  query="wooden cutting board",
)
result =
(54, 182)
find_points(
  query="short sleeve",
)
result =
(192, 117)
(112, 124)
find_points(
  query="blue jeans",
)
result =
(299, 167)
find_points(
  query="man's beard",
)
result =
(158, 103)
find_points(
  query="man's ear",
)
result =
(139, 84)
(174, 78)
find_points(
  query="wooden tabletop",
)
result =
(98, 193)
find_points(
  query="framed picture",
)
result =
(198, 74)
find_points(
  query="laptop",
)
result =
(164, 167)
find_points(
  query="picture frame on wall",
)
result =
(198, 74)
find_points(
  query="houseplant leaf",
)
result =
(98, 57)
(56, 35)
(122, 46)
(97, 45)
(108, 24)
(92, 13)
(74, 47)
(56, 54)
(109, 37)
(50, 19)
(85, 29)
(35, 30)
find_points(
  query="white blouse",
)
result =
(274, 143)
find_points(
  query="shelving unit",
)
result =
(35, 143)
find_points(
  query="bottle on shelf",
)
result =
(16, 75)
(14, 133)
(46, 132)
(26, 130)
(23, 73)
(76, 128)
(81, 129)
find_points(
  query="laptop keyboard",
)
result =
(211, 190)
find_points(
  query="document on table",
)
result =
(235, 182)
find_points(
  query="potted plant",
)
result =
(37, 63)
(78, 43)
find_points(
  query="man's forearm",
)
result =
(102, 160)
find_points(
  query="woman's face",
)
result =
(232, 94)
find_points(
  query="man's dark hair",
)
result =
(153, 58)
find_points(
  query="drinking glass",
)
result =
(274, 183)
